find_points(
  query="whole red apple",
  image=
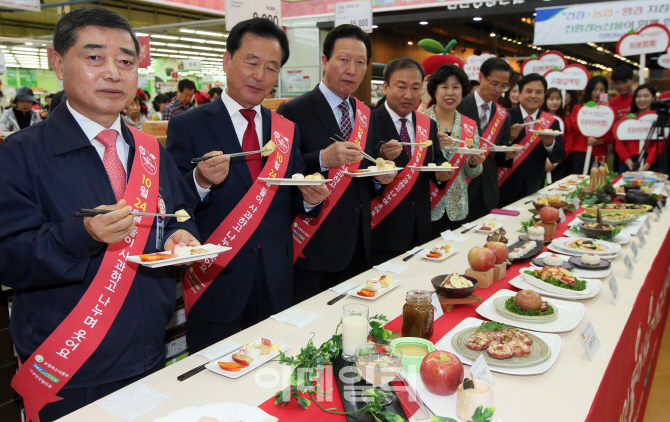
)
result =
(549, 215)
(441, 372)
(481, 259)
(500, 249)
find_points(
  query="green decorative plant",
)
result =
(480, 415)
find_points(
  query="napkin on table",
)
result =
(133, 401)
(344, 287)
(391, 267)
(449, 235)
(295, 316)
(219, 350)
(498, 217)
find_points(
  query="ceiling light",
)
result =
(157, 43)
(29, 43)
(212, 55)
(188, 31)
(375, 26)
(534, 13)
(141, 34)
(477, 18)
(166, 51)
(25, 49)
(423, 23)
(189, 52)
(178, 56)
(600, 49)
(200, 40)
(410, 42)
(178, 45)
(166, 37)
(199, 47)
(211, 34)
(492, 34)
(216, 42)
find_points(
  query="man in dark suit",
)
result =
(529, 175)
(340, 247)
(257, 281)
(408, 224)
(81, 157)
(481, 106)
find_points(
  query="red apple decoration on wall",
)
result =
(481, 259)
(441, 372)
(549, 214)
(430, 64)
(499, 249)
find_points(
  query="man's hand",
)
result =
(184, 238)
(547, 140)
(548, 166)
(213, 171)
(443, 176)
(112, 227)
(512, 154)
(591, 141)
(314, 195)
(390, 150)
(385, 179)
(444, 140)
(476, 159)
(629, 163)
(340, 153)
(515, 130)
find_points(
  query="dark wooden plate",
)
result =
(577, 262)
(538, 262)
(537, 249)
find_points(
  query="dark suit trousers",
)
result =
(76, 398)
(202, 334)
(310, 283)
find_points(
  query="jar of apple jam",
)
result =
(417, 315)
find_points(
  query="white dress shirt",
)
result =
(398, 124)
(334, 102)
(524, 113)
(479, 100)
(92, 129)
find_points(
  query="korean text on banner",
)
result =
(597, 22)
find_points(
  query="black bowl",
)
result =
(596, 233)
(454, 293)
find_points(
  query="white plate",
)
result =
(580, 272)
(466, 151)
(445, 256)
(293, 182)
(500, 148)
(373, 173)
(214, 365)
(546, 287)
(496, 225)
(546, 132)
(622, 238)
(594, 288)
(383, 291)
(570, 314)
(612, 248)
(553, 248)
(567, 188)
(426, 168)
(224, 412)
(215, 250)
(552, 340)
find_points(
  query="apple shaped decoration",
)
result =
(549, 214)
(499, 249)
(430, 64)
(481, 259)
(441, 372)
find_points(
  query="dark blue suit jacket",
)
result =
(47, 172)
(209, 128)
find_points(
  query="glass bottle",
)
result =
(417, 315)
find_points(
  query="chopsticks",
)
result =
(88, 212)
(332, 301)
(467, 230)
(338, 138)
(410, 256)
(237, 154)
(200, 368)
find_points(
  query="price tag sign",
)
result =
(614, 287)
(480, 371)
(589, 339)
(630, 271)
(575, 202)
(658, 214)
(647, 224)
(357, 13)
(640, 236)
(438, 307)
(666, 191)
(561, 215)
(241, 10)
(633, 246)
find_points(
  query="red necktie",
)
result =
(115, 171)
(528, 119)
(250, 143)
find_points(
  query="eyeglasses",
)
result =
(503, 88)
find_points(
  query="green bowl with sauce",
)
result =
(413, 349)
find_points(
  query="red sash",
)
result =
(491, 133)
(468, 128)
(527, 144)
(61, 355)
(244, 219)
(397, 190)
(304, 227)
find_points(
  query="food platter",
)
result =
(436, 168)
(570, 314)
(538, 247)
(553, 248)
(577, 262)
(495, 225)
(501, 148)
(525, 238)
(499, 303)
(578, 272)
(466, 151)
(538, 261)
(382, 292)
(223, 412)
(643, 208)
(214, 251)
(444, 255)
(372, 173)
(544, 286)
(590, 218)
(214, 365)
(294, 182)
(564, 242)
(594, 288)
(621, 238)
(552, 341)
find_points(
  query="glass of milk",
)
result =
(355, 329)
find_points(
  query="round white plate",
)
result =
(612, 248)
(294, 182)
(224, 412)
(500, 148)
(622, 238)
(594, 288)
(214, 251)
(466, 151)
(444, 256)
(383, 291)
(553, 248)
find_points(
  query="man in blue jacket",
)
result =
(84, 156)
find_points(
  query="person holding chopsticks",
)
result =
(86, 322)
